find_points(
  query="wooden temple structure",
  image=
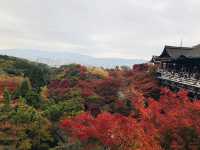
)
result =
(179, 67)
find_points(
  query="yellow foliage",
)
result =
(44, 93)
(17, 79)
(98, 71)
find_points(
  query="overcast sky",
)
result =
(100, 28)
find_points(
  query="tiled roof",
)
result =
(177, 52)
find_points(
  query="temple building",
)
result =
(180, 67)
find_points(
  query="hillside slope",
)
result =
(38, 73)
(58, 58)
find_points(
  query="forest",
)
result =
(74, 107)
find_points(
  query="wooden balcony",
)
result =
(180, 80)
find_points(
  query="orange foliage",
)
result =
(113, 131)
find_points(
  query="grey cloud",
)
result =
(118, 28)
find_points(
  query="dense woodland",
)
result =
(75, 107)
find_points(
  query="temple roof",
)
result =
(178, 52)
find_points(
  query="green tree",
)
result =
(6, 96)
(25, 87)
(54, 111)
(33, 129)
(33, 99)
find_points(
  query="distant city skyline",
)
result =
(99, 28)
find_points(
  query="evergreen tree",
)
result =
(25, 87)
(7, 96)
(33, 99)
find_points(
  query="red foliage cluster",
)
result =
(141, 79)
(174, 118)
(140, 67)
(170, 122)
(87, 88)
(58, 88)
(108, 89)
(98, 93)
(173, 122)
(9, 84)
(77, 77)
(113, 131)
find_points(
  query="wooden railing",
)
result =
(182, 78)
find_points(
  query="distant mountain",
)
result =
(61, 58)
